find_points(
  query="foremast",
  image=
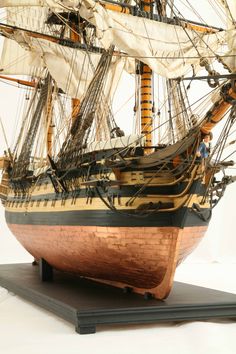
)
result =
(76, 38)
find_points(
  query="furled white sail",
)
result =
(27, 55)
(169, 50)
(71, 68)
(15, 59)
(22, 54)
(117, 143)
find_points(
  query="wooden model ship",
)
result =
(78, 191)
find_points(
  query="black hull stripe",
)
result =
(124, 191)
(181, 218)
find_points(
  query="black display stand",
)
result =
(88, 304)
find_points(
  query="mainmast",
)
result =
(146, 90)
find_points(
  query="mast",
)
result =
(49, 122)
(146, 89)
(75, 37)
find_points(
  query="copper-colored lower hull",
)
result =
(144, 258)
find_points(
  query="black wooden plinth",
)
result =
(87, 304)
(45, 270)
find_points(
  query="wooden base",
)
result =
(88, 304)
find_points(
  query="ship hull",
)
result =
(122, 234)
(143, 253)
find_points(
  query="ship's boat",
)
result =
(83, 192)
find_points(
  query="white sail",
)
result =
(17, 61)
(14, 3)
(71, 68)
(25, 55)
(169, 50)
(28, 17)
(230, 10)
(52, 4)
(117, 143)
(43, 3)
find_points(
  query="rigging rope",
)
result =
(21, 165)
